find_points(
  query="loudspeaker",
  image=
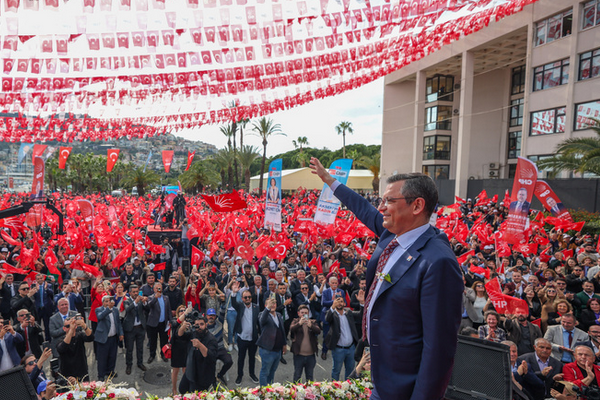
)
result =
(185, 266)
(481, 371)
(15, 384)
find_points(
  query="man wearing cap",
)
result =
(46, 390)
(215, 327)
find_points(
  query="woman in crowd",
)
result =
(479, 301)
(211, 297)
(591, 315)
(120, 296)
(491, 331)
(552, 316)
(535, 307)
(179, 345)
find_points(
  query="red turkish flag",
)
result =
(167, 156)
(463, 257)
(190, 158)
(197, 256)
(159, 267)
(50, 259)
(111, 160)
(122, 256)
(38, 150)
(225, 202)
(63, 155)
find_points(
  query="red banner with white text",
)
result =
(520, 201)
(167, 157)
(37, 187)
(551, 202)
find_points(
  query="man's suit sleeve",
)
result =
(363, 210)
(441, 304)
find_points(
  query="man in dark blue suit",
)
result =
(10, 338)
(414, 299)
(44, 303)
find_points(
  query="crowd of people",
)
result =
(309, 301)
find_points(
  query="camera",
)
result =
(62, 384)
(193, 316)
(589, 392)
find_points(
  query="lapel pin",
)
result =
(409, 258)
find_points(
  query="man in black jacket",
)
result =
(8, 290)
(174, 294)
(272, 341)
(201, 360)
(24, 299)
(71, 349)
(342, 336)
(32, 335)
(246, 329)
(134, 327)
(542, 364)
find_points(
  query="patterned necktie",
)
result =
(387, 252)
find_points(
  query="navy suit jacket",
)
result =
(415, 317)
(48, 300)
(11, 341)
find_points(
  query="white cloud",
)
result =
(317, 121)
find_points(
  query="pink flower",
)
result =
(111, 395)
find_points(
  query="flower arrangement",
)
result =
(336, 390)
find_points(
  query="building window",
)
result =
(518, 80)
(548, 121)
(437, 171)
(542, 173)
(584, 112)
(436, 147)
(589, 64)
(516, 112)
(554, 28)
(591, 14)
(514, 144)
(551, 75)
(512, 169)
(440, 87)
(438, 117)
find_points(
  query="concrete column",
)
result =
(464, 124)
(419, 121)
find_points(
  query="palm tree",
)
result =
(224, 159)
(247, 156)
(265, 128)
(342, 128)
(576, 154)
(140, 179)
(301, 157)
(197, 177)
(372, 164)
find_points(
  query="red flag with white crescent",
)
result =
(111, 160)
(38, 150)
(63, 155)
(167, 156)
(197, 256)
(37, 187)
(190, 158)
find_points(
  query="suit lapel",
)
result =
(406, 261)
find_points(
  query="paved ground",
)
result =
(159, 372)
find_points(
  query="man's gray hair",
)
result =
(417, 185)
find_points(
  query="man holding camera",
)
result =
(71, 349)
(108, 334)
(9, 357)
(24, 299)
(246, 329)
(202, 357)
(57, 322)
(31, 332)
(159, 314)
(304, 331)
(134, 326)
(215, 327)
(272, 341)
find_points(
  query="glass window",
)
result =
(589, 64)
(440, 87)
(438, 117)
(591, 10)
(516, 112)
(585, 111)
(542, 173)
(512, 169)
(553, 28)
(514, 144)
(436, 147)
(551, 75)
(437, 171)
(518, 80)
(548, 121)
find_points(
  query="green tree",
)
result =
(300, 144)
(224, 159)
(576, 154)
(139, 178)
(342, 128)
(197, 178)
(372, 164)
(247, 155)
(265, 128)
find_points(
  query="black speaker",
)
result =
(481, 371)
(185, 266)
(15, 384)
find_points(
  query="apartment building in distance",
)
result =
(515, 88)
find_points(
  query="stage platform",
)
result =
(155, 233)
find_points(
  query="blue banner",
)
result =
(148, 160)
(328, 204)
(273, 201)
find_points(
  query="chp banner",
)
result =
(504, 304)
(63, 155)
(520, 201)
(23, 150)
(37, 188)
(273, 201)
(38, 150)
(111, 160)
(551, 202)
(167, 156)
(328, 204)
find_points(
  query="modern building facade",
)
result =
(516, 88)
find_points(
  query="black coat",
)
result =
(34, 337)
(333, 319)
(200, 369)
(240, 307)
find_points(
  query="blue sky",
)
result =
(317, 120)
